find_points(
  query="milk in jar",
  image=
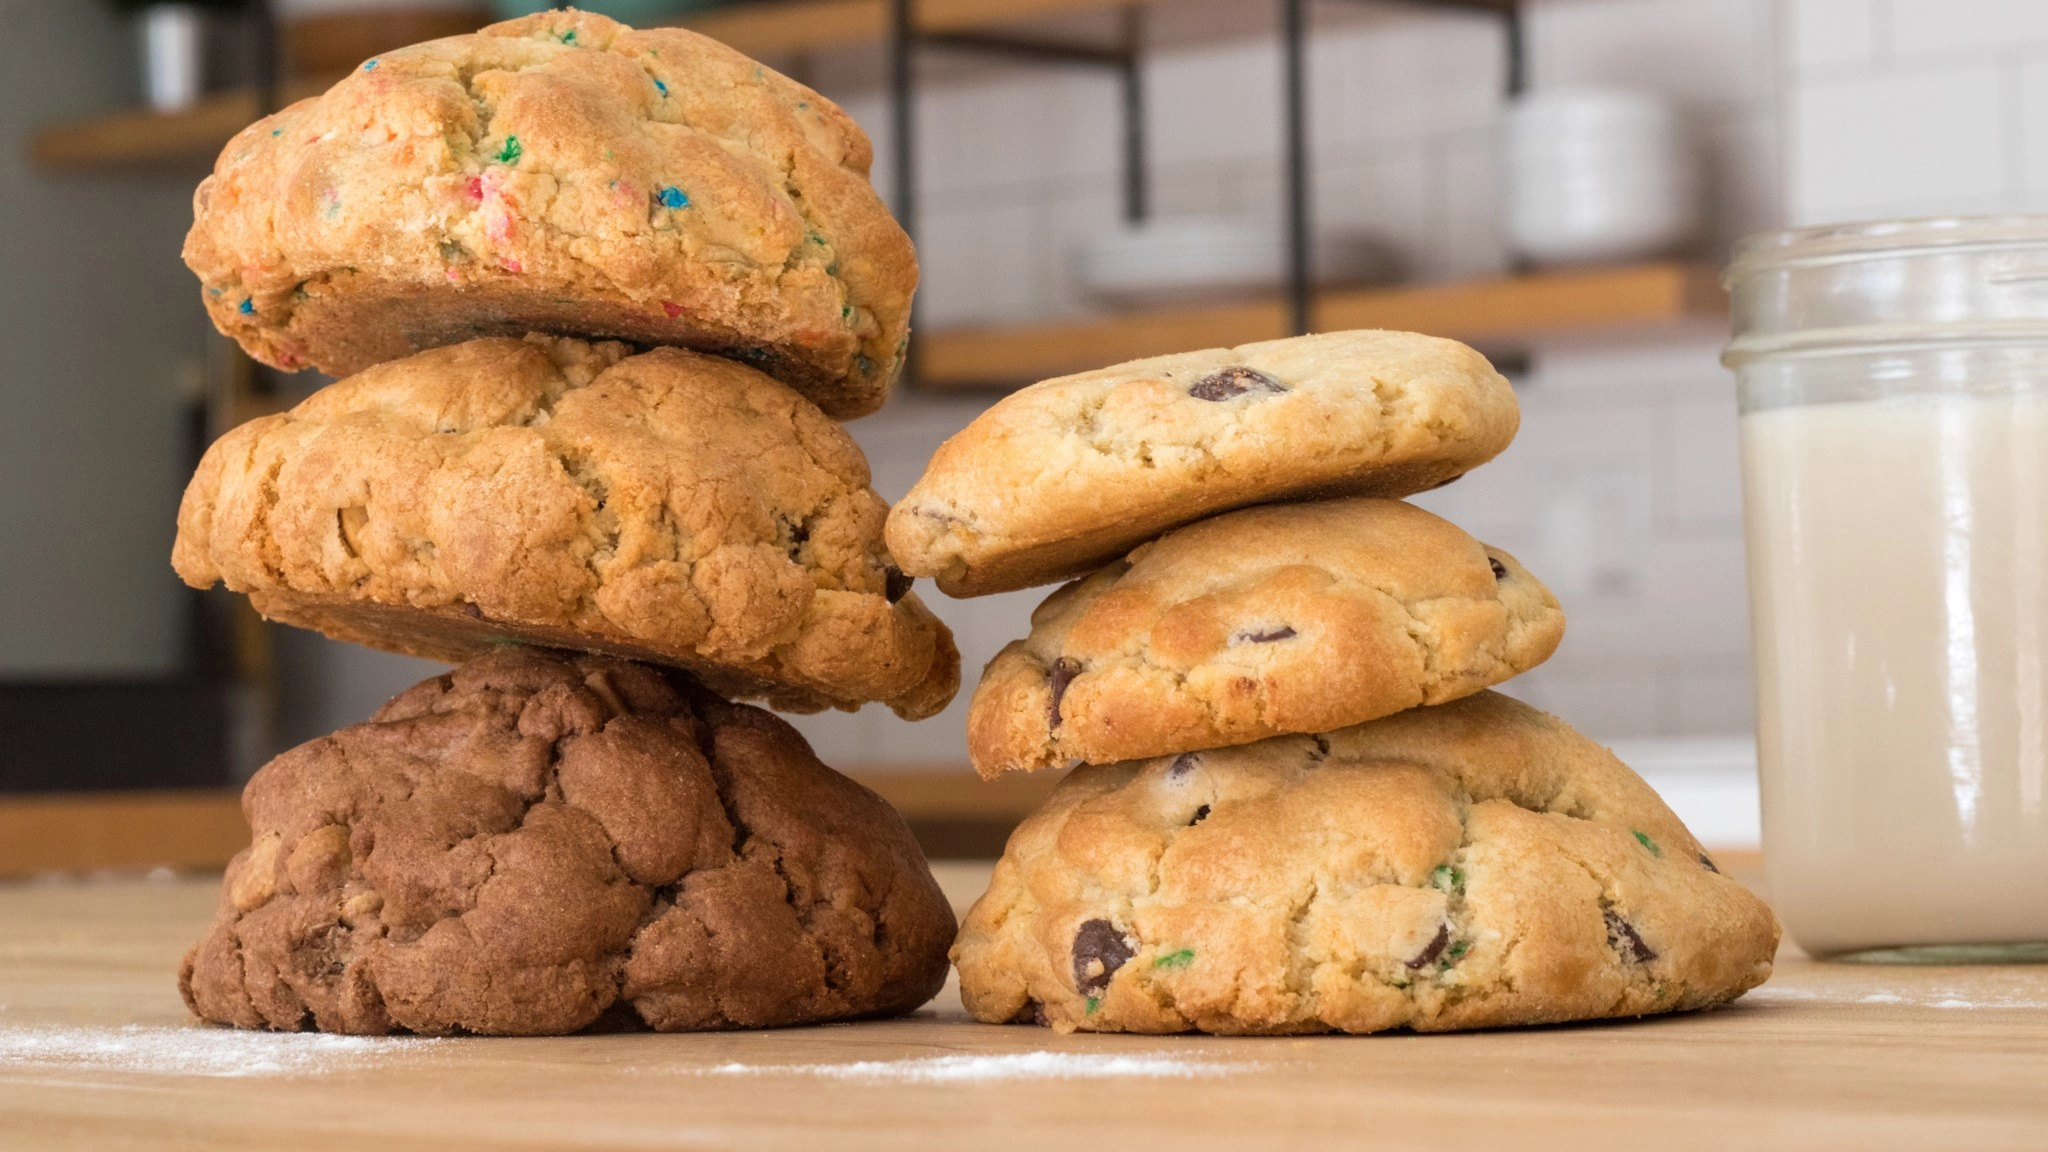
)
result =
(1893, 385)
(1898, 552)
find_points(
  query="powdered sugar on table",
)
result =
(194, 1051)
(1015, 1066)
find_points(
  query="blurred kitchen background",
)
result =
(1575, 238)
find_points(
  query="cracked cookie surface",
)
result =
(560, 173)
(539, 840)
(666, 506)
(1068, 474)
(1470, 865)
(1286, 618)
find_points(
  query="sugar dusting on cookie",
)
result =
(195, 1050)
(1013, 1066)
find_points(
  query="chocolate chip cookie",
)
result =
(1470, 865)
(1071, 473)
(536, 842)
(667, 506)
(1287, 618)
(561, 173)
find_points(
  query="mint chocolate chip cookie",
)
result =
(1471, 865)
(1287, 618)
(1071, 473)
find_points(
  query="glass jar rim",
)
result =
(1831, 243)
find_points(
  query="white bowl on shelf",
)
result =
(1599, 175)
(1205, 259)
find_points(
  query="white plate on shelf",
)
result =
(1201, 259)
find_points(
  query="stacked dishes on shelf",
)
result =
(1205, 259)
(577, 823)
(1296, 806)
(1599, 175)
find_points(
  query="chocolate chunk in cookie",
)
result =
(1625, 940)
(1236, 380)
(1099, 950)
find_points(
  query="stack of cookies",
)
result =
(599, 296)
(1297, 807)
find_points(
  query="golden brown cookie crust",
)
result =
(1287, 618)
(1472, 865)
(1070, 473)
(561, 173)
(666, 506)
(535, 841)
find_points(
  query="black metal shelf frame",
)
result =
(1125, 58)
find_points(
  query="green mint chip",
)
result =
(1094, 1002)
(1646, 842)
(509, 154)
(1179, 959)
(1447, 878)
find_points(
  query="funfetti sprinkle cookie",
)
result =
(1071, 473)
(560, 173)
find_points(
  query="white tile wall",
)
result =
(1710, 53)
(2033, 129)
(1899, 142)
(1621, 491)
(1698, 481)
(1921, 28)
(1821, 34)
(1613, 703)
(1710, 699)
(1915, 107)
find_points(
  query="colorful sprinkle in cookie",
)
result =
(1072, 473)
(561, 173)
(1473, 865)
(1286, 618)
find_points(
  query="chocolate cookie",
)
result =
(560, 173)
(537, 840)
(1287, 618)
(1471, 865)
(1071, 473)
(666, 506)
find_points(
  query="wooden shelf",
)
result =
(138, 137)
(141, 138)
(1501, 315)
(797, 26)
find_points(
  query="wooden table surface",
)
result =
(97, 1052)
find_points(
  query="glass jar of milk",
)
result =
(1894, 398)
